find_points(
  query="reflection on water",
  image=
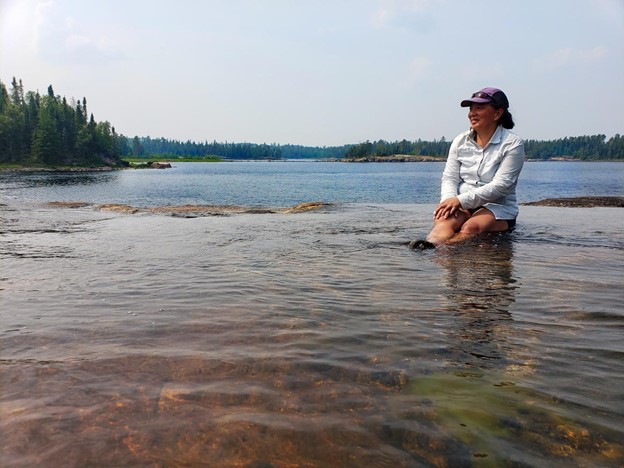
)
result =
(479, 274)
(50, 179)
(73, 178)
(312, 339)
(481, 288)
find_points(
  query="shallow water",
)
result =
(310, 339)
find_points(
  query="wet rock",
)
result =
(303, 207)
(118, 207)
(153, 165)
(389, 379)
(580, 202)
(511, 422)
(259, 464)
(193, 211)
(77, 204)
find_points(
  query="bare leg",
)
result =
(480, 222)
(445, 229)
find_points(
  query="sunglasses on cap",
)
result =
(482, 95)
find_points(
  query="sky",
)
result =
(321, 72)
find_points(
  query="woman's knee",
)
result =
(470, 229)
(455, 222)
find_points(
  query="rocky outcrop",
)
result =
(303, 207)
(153, 165)
(580, 202)
(193, 211)
(60, 204)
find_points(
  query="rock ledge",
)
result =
(580, 202)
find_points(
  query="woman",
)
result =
(481, 173)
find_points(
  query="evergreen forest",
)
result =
(151, 148)
(50, 130)
(593, 148)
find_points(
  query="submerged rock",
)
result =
(117, 207)
(191, 211)
(60, 204)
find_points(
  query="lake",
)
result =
(289, 183)
(307, 339)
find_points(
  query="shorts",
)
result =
(511, 223)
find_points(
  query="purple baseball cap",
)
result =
(488, 95)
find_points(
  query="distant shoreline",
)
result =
(372, 159)
(392, 158)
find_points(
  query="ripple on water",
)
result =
(315, 339)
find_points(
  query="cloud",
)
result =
(571, 56)
(611, 11)
(15, 24)
(59, 38)
(43, 10)
(419, 67)
(482, 73)
(381, 18)
(419, 5)
(400, 11)
(567, 57)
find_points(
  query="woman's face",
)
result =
(484, 116)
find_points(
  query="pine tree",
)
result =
(46, 142)
(137, 148)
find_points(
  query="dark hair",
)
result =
(506, 120)
(500, 101)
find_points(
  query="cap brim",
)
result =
(475, 100)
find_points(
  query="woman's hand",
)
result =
(447, 208)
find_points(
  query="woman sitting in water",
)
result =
(481, 173)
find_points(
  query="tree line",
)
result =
(147, 147)
(595, 147)
(50, 130)
(383, 148)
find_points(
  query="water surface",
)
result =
(288, 183)
(311, 339)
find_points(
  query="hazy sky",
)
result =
(322, 72)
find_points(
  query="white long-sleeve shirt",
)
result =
(485, 177)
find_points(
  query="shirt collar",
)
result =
(496, 137)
